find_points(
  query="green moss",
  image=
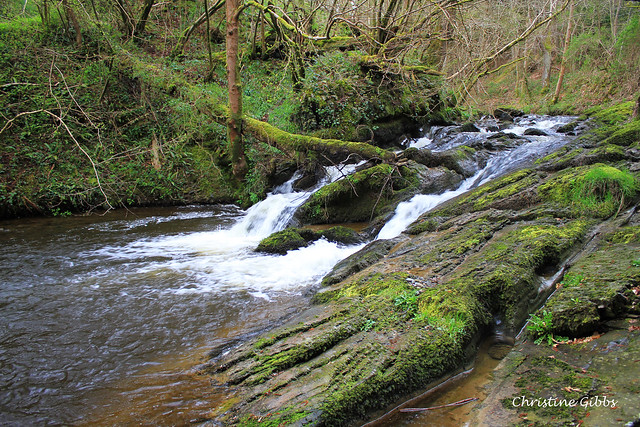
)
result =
(598, 190)
(489, 192)
(420, 227)
(626, 135)
(341, 234)
(356, 198)
(597, 286)
(506, 191)
(612, 115)
(281, 242)
(561, 156)
(627, 235)
(285, 417)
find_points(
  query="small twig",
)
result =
(18, 84)
(458, 403)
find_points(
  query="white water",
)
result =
(409, 211)
(223, 259)
(500, 164)
(548, 124)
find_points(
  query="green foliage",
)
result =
(599, 190)
(572, 280)
(112, 117)
(339, 94)
(368, 325)
(407, 302)
(541, 328)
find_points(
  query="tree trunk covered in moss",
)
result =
(636, 109)
(234, 121)
(331, 148)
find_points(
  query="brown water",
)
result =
(102, 319)
(467, 385)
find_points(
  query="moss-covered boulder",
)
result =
(598, 190)
(281, 242)
(373, 192)
(289, 239)
(341, 234)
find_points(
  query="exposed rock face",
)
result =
(405, 313)
(596, 300)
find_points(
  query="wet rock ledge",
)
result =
(414, 312)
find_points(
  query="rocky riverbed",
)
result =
(403, 314)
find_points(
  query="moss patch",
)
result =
(599, 286)
(599, 190)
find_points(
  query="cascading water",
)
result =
(499, 164)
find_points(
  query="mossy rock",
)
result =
(341, 234)
(355, 198)
(362, 259)
(625, 136)
(613, 115)
(281, 242)
(469, 127)
(373, 193)
(569, 127)
(289, 239)
(599, 286)
(463, 160)
(599, 190)
(507, 114)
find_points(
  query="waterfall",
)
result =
(500, 164)
(409, 211)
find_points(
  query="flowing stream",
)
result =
(102, 317)
(499, 164)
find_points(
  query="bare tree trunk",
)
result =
(234, 122)
(126, 18)
(71, 16)
(636, 109)
(142, 22)
(567, 40)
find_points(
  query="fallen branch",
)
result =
(458, 403)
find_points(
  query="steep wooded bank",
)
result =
(84, 129)
(404, 313)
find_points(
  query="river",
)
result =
(103, 318)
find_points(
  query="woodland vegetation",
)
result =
(135, 102)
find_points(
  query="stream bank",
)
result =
(417, 309)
